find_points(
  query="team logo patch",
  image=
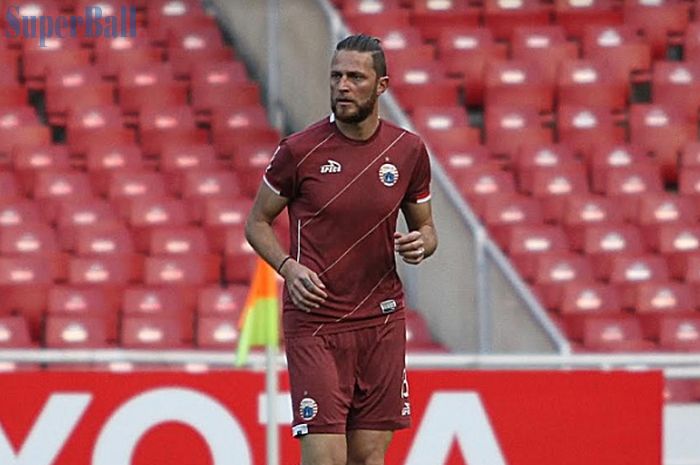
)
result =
(308, 408)
(388, 174)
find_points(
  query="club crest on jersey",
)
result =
(388, 174)
(308, 408)
(331, 167)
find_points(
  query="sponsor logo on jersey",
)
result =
(331, 167)
(308, 408)
(388, 306)
(388, 174)
(300, 430)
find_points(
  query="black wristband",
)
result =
(279, 268)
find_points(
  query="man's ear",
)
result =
(382, 85)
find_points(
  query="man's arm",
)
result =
(305, 287)
(421, 242)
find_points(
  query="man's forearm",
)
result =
(429, 239)
(262, 238)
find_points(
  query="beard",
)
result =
(364, 109)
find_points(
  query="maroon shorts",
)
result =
(349, 380)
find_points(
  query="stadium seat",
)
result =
(554, 186)
(20, 127)
(456, 158)
(113, 54)
(526, 242)
(677, 85)
(679, 391)
(359, 14)
(86, 301)
(75, 332)
(127, 186)
(584, 127)
(476, 186)
(165, 16)
(503, 16)
(33, 239)
(628, 272)
(57, 53)
(222, 213)
(680, 333)
(554, 271)
(582, 300)
(14, 332)
(249, 163)
(658, 209)
(396, 38)
(691, 43)
(151, 332)
(24, 283)
(68, 89)
(105, 271)
(604, 159)
(17, 210)
(538, 157)
(96, 127)
(188, 47)
(169, 302)
(12, 93)
(239, 256)
(654, 301)
(627, 185)
(229, 131)
(590, 82)
(77, 213)
(103, 161)
(545, 46)
(663, 131)
(418, 335)
(517, 83)
(657, 22)
(575, 16)
(217, 301)
(510, 127)
(153, 85)
(619, 47)
(431, 17)
(217, 332)
(464, 52)
(167, 125)
(603, 242)
(582, 211)
(101, 239)
(178, 270)
(197, 186)
(27, 161)
(54, 187)
(423, 83)
(175, 159)
(615, 334)
(501, 213)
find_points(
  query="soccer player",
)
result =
(344, 180)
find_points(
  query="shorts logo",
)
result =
(388, 174)
(331, 167)
(406, 410)
(388, 306)
(300, 430)
(308, 408)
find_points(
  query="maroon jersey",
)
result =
(344, 199)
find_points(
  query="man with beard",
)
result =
(344, 180)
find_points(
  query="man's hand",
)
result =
(410, 246)
(304, 286)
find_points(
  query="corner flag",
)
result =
(259, 322)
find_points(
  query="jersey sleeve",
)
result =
(419, 185)
(280, 175)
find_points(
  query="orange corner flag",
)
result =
(259, 322)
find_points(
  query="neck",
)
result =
(359, 131)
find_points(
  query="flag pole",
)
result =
(271, 387)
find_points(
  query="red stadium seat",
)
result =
(679, 391)
(628, 272)
(603, 242)
(125, 187)
(54, 187)
(418, 336)
(96, 127)
(431, 17)
(360, 14)
(605, 159)
(188, 271)
(233, 127)
(654, 301)
(78, 213)
(554, 186)
(680, 333)
(545, 46)
(503, 16)
(659, 209)
(34, 240)
(24, 283)
(691, 43)
(12, 93)
(75, 332)
(554, 271)
(574, 16)
(152, 85)
(197, 186)
(68, 89)
(249, 164)
(479, 185)
(169, 302)
(396, 38)
(501, 213)
(663, 131)
(151, 332)
(587, 210)
(615, 334)
(14, 333)
(187, 47)
(103, 161)
(163, 125)
(107, 271)
(27, 161)
(627, 185)
(677, 85)
(176, 159)
(217, 332)
(20, 127)
(103, 239)
(508, 128)
(590, 83)
(584, 127)
(423, 83)
(165, 16)
(57, 53)
(619, 47)
(14, 211)
(464, 52)
(657, 21)
(583, 300)
(188, 240)
(112, 54)
(534, 157)
(457, 158)
(517, 83)
(216, 301)
(527, 242)
(86, 301)
(222, 213)
(239, 256)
